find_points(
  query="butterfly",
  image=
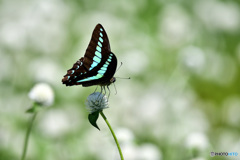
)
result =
(98, 65)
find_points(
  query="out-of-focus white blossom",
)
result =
(197, 140)
(134, 66)
(58, 122)
(42, 94)
(175, 27)
(130, 151)
(125, 136)
(143, 152)
(149, 151)
(96, 102)
(218, 15)
(193, 58)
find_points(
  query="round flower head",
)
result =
(96, 102)
(42, 94)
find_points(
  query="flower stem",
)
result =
(27, 136)
(113, 134)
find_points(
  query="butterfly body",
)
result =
(98, 65)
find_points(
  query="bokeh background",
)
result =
(183, 99)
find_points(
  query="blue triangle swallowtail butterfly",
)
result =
(98, 65)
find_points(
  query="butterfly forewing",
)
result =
(97, 66)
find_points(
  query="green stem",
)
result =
(27, 136)
(113, 134)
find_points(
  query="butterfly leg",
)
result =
(115, 89)
(104, 90)
(108, 91)
(103, 93)
(100, 92)
(95, 89)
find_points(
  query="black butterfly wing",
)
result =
(100, 43)
(97, 66)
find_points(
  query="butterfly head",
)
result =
(112, 80)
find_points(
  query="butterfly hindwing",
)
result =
(97, 66)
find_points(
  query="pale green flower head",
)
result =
(42, 94)
(96, 102)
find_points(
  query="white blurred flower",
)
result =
(134, 66)
(42, 94)
(149, 151)
(193, 58)
(175, 27)
(197, 140)
(144, 152)
(96, 102)
(130, 151)
(44, 69)
(219, 15)
(125, 136)
(58, 122)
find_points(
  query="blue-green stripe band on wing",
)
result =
(91, 78)
(98, 54)
(99, 49)
(100, 39)
(99, 44)
(104, 68)
(96, 59)
(101, 34)
(99, 76)
(101, 72)
(94, 64)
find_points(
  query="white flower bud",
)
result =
(42, 94)
(96, 102)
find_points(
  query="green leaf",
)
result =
(35, 108)
(31, 110)
(93, 119)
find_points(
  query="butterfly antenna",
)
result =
(119, 66)
(104, 89)
(118, 69)
(109, 92)
(123, 77)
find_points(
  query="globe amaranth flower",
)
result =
(42, 94)
(96, 102)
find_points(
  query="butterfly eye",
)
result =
(113, 79)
